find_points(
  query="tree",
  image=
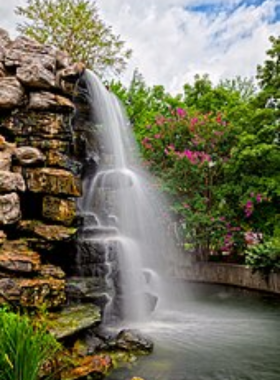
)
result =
(244, 86)
(269, 73)
(75, 26)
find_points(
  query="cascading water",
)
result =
(123, 213)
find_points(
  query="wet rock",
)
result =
(33, 292)
(74, 319)
(88, 289)
(9, 209)
(5, 160)
(16, 256)
(53, 181)
(49, 270)
(151, 301)
(132, 340)
(11, 93)
(27, 155)
(46, 232)
(25, 51)
(54, 233)
(60, 160)
(71, 73)
(46, 101)
(34, 75)
(91, 367)
(10, 182)
(59, 210)
(45, 145)
(41, 125)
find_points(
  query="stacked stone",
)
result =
(39, 181)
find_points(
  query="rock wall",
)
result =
(39, 176)
(228, 274)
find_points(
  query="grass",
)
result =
(23, 347)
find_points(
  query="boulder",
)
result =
(10, 182)
(36, 76)
(9, 209)
(27, 155)
(25, 51)
(132, 340)
(74, 319)
(16, 256)
(53, 181)
(33, 125)
(59, 210)
(45, 232)
(62, 161)
(5, 160)
(33, 292)
(52, 271)
(44, 145)
(53, 233)
(11, 93)
(71, 73)
(46, 101)
(88, 289)
(63, 59)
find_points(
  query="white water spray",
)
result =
(126, 210)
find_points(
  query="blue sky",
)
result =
(172, 40)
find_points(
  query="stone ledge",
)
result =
(228, 274)
(74, 319)
(33, 292)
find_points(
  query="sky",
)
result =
(172, 40)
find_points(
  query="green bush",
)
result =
(23, 347)
(264, 257)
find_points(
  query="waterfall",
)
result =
(123, 214)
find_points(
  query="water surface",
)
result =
(213, 333)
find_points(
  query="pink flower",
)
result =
(259, 198)
(194, 121)
(181, 112)
(157, 136)
(185, 205)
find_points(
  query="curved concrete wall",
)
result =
(228, 274)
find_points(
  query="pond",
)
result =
(212, 333)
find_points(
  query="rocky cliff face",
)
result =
(39, 176)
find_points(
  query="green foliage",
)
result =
(245, 87)
(269, 73)
(143, 103)
(23, 347)
(75, 25)
(264, 258)
(215, 150)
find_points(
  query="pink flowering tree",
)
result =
(188, 150)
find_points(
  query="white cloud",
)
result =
(171, 42)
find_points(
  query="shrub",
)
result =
(264, 257)
(23, 347)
